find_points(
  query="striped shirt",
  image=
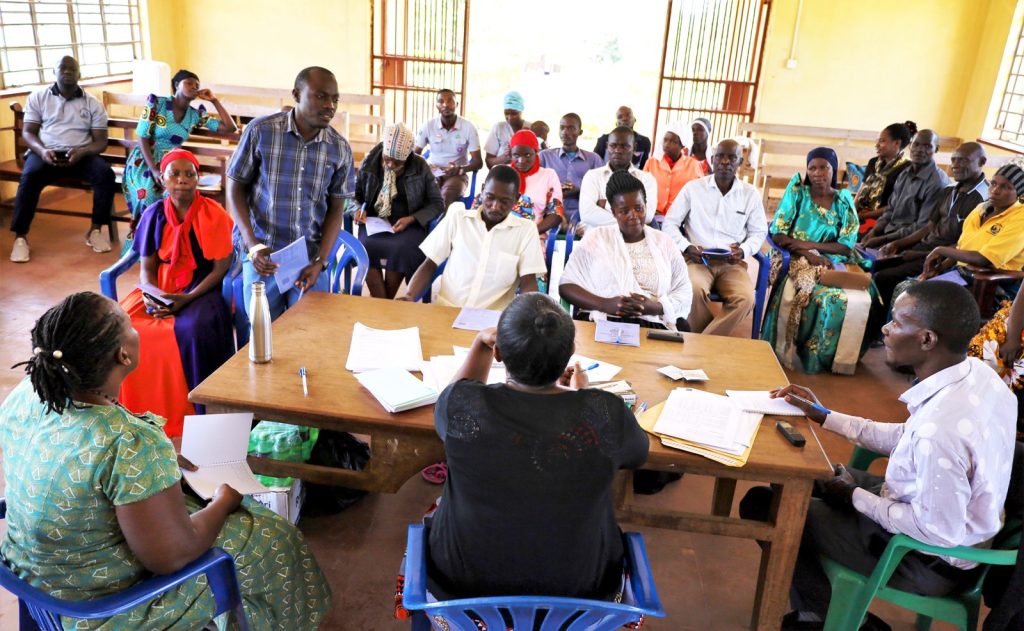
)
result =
(290, 180)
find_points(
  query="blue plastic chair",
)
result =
(347, 253)
(37, 610)
(425, 294)
(559, 613)
(760, 293)
(108, 287)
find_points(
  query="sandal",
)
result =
(435, 473)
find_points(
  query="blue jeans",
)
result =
(279, 303)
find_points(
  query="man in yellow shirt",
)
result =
(993, 234)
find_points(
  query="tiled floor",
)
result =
(706, 582)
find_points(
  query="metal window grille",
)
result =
(105, 36)
(1010, 116)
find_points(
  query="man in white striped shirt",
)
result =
(949, 464)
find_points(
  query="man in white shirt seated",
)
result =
(454, 148)
(949, 463)
(491, 252)
(719, 212)
(594, 208)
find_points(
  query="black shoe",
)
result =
(648, 482)
(874, 623)
(791, 622)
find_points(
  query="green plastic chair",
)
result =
(853, 592)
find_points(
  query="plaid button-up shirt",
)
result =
(289, 179)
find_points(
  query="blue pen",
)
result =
(592, 366)
(640, 409)
(705, 259)
(305, 386)
(618, 336)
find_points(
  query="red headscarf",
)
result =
(178, 154)
(526, 138)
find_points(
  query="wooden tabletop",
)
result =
(315, 333)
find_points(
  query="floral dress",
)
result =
(67, 473)
(818, 311)
(157, 124)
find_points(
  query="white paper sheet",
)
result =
(371, 349)
(397, 389)
(476, 319)
(675, 373)
(217, 444)
(602, 372)
(700, 417)
(617, 333)
(376, 225)
(761, 401)
(290, 260)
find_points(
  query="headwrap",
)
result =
(680, 129)
(525, 138)
(178, 154)
(827, 155)
(705, 123)
(398, 141)
(1013, 170)
(513, 101)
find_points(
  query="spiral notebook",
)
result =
(218, 444)
(760, 401)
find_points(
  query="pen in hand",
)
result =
(592, 366)
(305, 385)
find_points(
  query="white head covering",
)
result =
(679, 128)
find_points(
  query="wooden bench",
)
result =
(825, 135)
(213, 161)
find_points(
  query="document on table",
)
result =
(290, 260)
(761, 401)
(397, 389)
(700, 417)
(371, 349)
(476, 319)
(617, 333)
(217, 444)
(602, 372)
(952, 276)
(376, 225)
(675, 373)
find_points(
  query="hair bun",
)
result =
(545, 322)
(912, 126)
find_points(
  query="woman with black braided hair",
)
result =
(94, 502)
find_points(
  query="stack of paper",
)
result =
(760, 401)
(476, 319)
(217, 444)
(396, 389)
(372, 349)
(622, 388)
(703, 423)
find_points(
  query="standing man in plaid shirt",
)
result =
(289, 178)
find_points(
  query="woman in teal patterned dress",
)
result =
(165, 124)
(806, 320)
(94, 500)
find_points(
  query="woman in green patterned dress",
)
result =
(806, 320)
(94, 500)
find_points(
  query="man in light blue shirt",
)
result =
(454, 147)
(570, 163)
(949, 464)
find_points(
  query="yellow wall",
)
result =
(865, 64)
(263, 43)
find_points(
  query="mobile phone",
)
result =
(160, 301)
(794, 437)
(668, 336)
(61, 155)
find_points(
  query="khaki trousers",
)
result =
(732, 283)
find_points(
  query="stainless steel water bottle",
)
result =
(261, 344)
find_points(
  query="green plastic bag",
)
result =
(281, 441)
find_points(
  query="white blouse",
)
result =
(602, 264)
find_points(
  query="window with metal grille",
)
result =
(105, 36)
(1010, 114)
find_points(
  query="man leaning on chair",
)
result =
(949, 464)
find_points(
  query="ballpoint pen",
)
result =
(618, 335)
(592, 366)
(305, 385)
(640, 409)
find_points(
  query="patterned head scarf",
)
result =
(513, 101)
(397, 145)
(1014, 171)
(827, 155)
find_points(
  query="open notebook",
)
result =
(396, 389)
(760, 401)
(218, 444)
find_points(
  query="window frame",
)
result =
(995, 134)
(79, 14)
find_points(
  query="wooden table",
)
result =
(315, 334)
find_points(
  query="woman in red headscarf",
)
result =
(540, 190)
(184, 325)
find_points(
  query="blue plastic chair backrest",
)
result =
(425, 295)
(348, 251)
(558, 613)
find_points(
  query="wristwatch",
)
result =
(256, 248)
(323, 263)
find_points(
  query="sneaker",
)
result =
(20, 251)
(98, 241)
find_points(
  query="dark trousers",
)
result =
(887, 274)
(37, 175)
(453, 188)
(855, 541)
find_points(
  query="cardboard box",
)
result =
(285, 501)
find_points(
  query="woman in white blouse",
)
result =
(629, 272)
